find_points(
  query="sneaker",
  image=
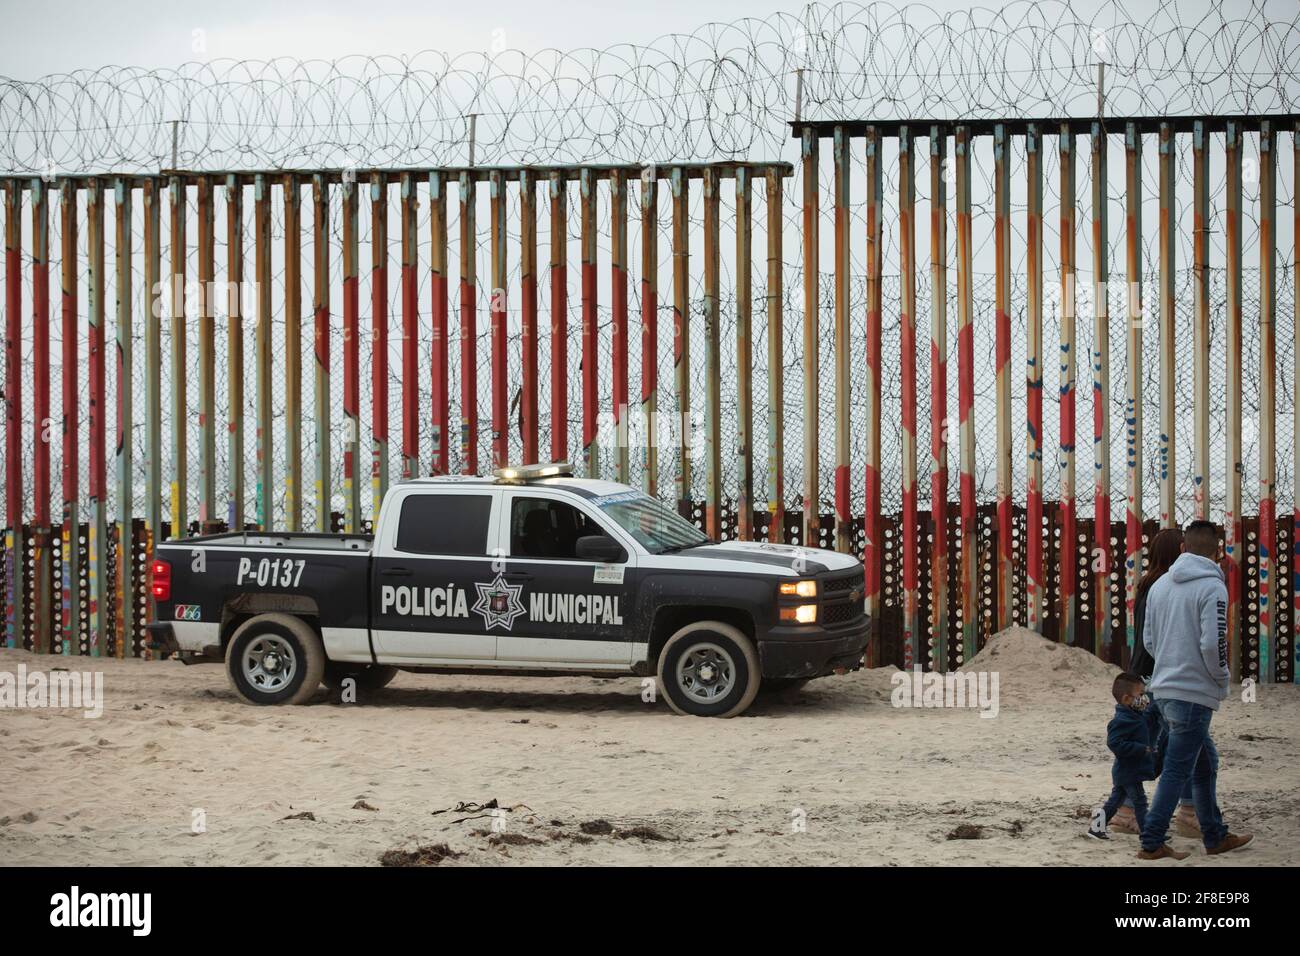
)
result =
(1232, 841)
(1124, 821)
(1165, 852)
(1098, 834)
(1185, 822)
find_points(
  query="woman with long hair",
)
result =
(1166, 546)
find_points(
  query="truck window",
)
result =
(444, 524)
(543, 528)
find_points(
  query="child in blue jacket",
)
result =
(1131, 737)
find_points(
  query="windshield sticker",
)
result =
(608, 574)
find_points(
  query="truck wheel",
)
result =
(709, 669)
(367, 676)
(275, 659)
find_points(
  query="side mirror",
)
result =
(598, 547)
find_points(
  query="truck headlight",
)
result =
(805, 589)
(800, 614)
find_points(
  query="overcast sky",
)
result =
(149, 33)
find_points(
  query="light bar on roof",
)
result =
(522, 473)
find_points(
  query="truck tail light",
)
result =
(160, 573)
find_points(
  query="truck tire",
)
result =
(367, 676)
(275, 659)
(709, 669)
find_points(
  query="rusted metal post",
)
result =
(1133, 384)
(1034, 578)
(1069, 546)
(528, 314)
(680, 186)
(965, 419)
(178, 202)
(811, 497)
(590, 328)
(235, 353)
(497, 319)
(744, 356)
(650, 328)
(351, 361)
(712, 359)
(775, 358)
(294, 483)
(842, 272)
(410, 327)
(97, 484)
(262, 343)
(124, 610)
(559, 192)
(70, 613)
(152, 367)
(939, 409)
(966, 400)
(321, 345)
(913, 636)
(207, 356)
(1002, 349)
(1295, 322)
(1101, 558)
(873, 550)
(618, 316)
(1201, 332)
(1268, 563)
(15, 593)
(379, 344)
(468, 326)
(440, 273)
(42, 426)
(1168, 220)
(1233, 540)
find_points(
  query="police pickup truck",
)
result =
(528, 572)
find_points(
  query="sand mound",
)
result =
(1030, 666)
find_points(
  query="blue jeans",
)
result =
(1189, 755)
(1162, 742)
(1130, 794)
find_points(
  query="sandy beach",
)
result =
(583, 771)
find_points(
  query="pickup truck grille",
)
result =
(843, 612)
(842, 598)
(842, 582)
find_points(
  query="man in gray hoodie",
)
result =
(1186, 633)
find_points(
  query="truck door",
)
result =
(578, 611)
(432, 569)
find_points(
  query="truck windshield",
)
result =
(657, 527)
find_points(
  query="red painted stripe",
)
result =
(379, 353)
(13, 387)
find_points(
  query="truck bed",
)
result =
(296, 540)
